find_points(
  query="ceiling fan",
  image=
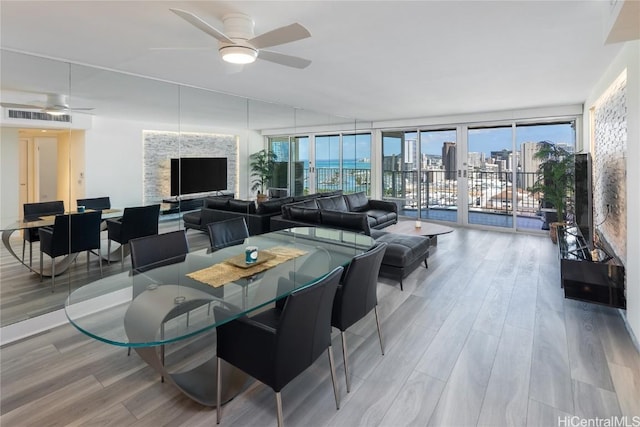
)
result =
(55, 105)
(238, 45)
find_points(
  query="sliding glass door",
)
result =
(330, 163)
(419, 173)
(470, 174)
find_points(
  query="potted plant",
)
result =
(262, 164)
(555, 180)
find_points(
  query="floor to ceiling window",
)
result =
(438, 177)
(489, 166)
(333, 162)
(483, 179)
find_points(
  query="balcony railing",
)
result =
(490, 192)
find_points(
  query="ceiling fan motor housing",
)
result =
(238, 26)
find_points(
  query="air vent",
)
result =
(33, 115)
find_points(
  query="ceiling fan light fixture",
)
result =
(238, 54)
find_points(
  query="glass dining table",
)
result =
(174, 300)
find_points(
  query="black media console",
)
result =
(588, 274)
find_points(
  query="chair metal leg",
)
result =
(345, 358)
(401, 284)
(109, 252)
(425, 263)
(24, 245)
(279, 409)
(88, 257)
(30, 254)
(336, 393)
(41, 267)
(100, 260)
(218, 387)
(129, 351)
(122, 256)
(375, 310)
(53, 274)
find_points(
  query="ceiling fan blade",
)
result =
(80, 109)
(202, 25)
(12, 105)
(281, 35)
(282, 59)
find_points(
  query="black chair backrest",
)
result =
(157, 250)
(76, 233)
(358, 293)
(229, 232)
(304, 331)
(35, 210)
(139, 221)
(95, 203)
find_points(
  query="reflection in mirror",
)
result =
(115, 144)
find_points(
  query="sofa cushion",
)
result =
(333, 203)
(330, 193)
(272, 206)
(381, 216)
(244, 206)
(307, 204)
(305, 214)
(357, 202)
(217, 203)
(305, 197)
(347, 220)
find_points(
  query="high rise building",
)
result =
(529, 163)
(449, 160)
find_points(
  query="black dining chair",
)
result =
(154, 251)
(157, 250)
(70, 234)
(33, 211)
(356, 296)
(135, 222)
(226, 233)
(95, 203)
(277, 345)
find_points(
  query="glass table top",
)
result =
(14, 223)
(150, 308)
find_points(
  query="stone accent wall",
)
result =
(610, 168)
(160, 147)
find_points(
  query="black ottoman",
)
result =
(404, 253)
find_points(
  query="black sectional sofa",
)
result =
(353, 212)
(349, 211)
(220, 208)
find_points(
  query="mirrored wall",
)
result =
(72, 132)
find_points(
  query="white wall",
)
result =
(9, 174)
(114, 151)
(629, 59)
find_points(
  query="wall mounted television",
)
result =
(198, 175)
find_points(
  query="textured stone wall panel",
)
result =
(160, 147)
(610, 169)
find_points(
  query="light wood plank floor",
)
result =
(482, 337)
(23, 296)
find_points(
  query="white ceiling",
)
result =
(372, 60)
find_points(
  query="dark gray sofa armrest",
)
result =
(383, 205)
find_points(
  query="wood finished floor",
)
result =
(483, 337)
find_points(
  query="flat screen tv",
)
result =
(198, 175)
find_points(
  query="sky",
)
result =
(480, 140)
